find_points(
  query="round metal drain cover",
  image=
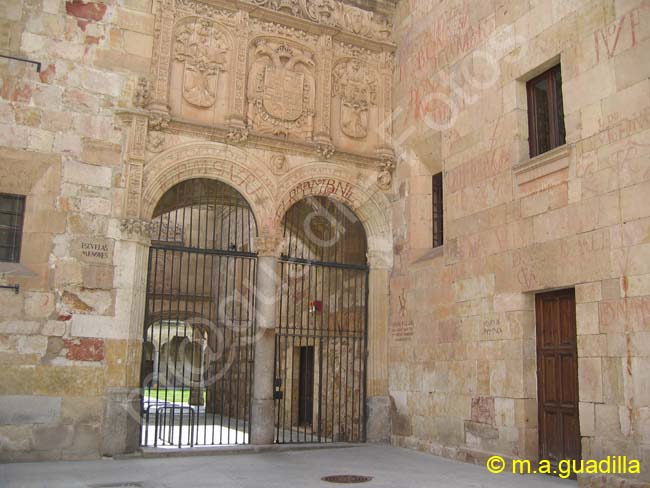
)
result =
(346, 478)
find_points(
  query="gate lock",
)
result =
(277, 394)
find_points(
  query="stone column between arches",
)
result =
(268, 250)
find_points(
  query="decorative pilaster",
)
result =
(162, 56)
(386, 77)
(237, 118)
(136, 148)
(269, 249)
(322, 132)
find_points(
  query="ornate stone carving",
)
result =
(161, 55)
(205, 9)
(267, 27)
(155, 142)
(237, 135)
(385, 176)
(142, 93)
(278, 164)
(137, 137)
(133, 190)
(136, 229)
(158, 121)
(333, 13)
(325, 150)
(281, 90)
(203, 49)
(356, 87)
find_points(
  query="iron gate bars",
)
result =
(199, 319)
(321, 337)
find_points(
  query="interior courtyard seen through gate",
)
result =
(423, 223)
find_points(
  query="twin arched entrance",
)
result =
(200, 331)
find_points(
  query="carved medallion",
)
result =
(203, 49)
(356, 88)
(279, 164)
(281, 90)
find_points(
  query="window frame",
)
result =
(17, 229)
(437, 210)
(555, 111)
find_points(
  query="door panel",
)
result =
(557, 376)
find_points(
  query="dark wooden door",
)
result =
(306, 386)
(557, 376)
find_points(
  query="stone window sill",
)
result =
(430, 254)
(549, 162)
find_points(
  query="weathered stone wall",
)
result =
(462, 339)
(62, 349)
(97, 137)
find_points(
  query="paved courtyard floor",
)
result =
(390, 467)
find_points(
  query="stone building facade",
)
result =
(361, 102)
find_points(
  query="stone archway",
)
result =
(370, 204)
(199, 309)
(239, 169)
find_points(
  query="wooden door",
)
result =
(557, 376)
(306, 386)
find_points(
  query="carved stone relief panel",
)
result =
(201, 71)
(281, 89)
(315, 73)
(333, 13)
(355, 110)
(355, 86)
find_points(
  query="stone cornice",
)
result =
(221, 133)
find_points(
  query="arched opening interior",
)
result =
(199, 318)
(322, 325)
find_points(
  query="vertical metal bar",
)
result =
(352, 343)
(148, 297)
(224, 351)
(340, 341)
(347, 334)
(232, 346)
(277, 362)
(365, 358)
(326, 333)
(252, 347)
(195, 295)
(300, 345)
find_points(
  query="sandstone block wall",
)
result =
(62, 351)
(462, 336)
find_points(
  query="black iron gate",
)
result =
(199, 328)
(321, 339)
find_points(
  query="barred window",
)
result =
(437, 210)
(12, 211)
(546, 128)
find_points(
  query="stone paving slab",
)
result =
(389, 466)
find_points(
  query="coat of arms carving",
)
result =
(203, 50)
(281, 90)
(356, 87)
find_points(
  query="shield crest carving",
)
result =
(283, 93)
